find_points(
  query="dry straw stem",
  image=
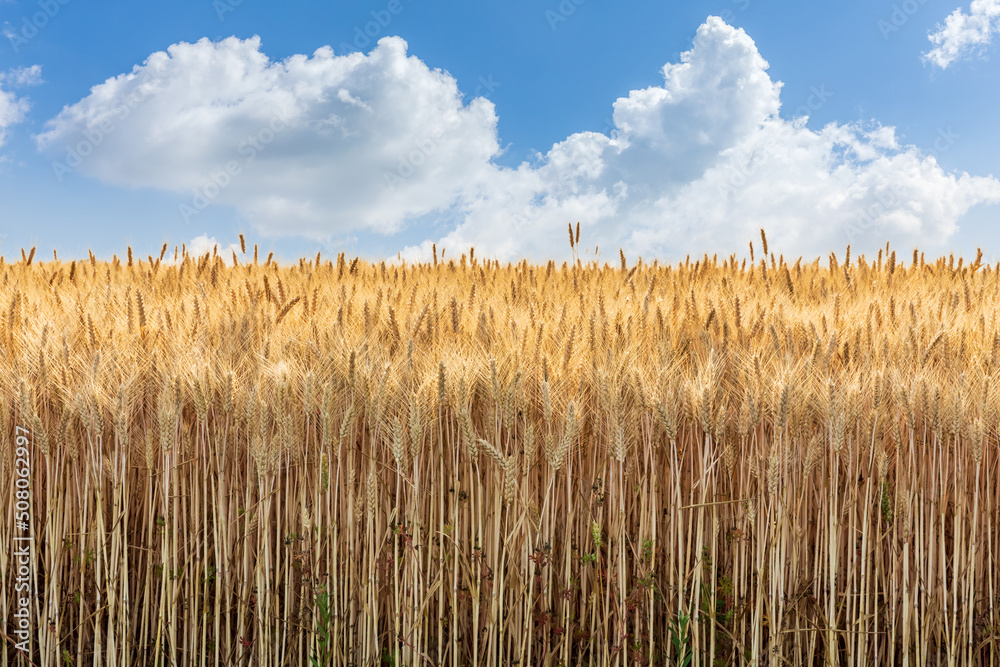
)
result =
(486, 463)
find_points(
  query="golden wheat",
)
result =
(741, 463)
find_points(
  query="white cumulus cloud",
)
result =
(205, 244)
(700, 163)
(964, 34)
(13, 108)
(327, 145)
(310, 145)
(25, 76)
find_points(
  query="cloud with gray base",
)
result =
(327, 145)
(964, 35)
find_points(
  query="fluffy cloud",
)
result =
(963, 34)
(326, 145)
(25, 76)
(701, 162)
(12, 107)
(203, 244)
(310, 145)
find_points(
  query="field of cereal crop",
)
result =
(728, 460)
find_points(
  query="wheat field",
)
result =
(725, 461)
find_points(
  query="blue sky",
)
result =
(494, 124)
